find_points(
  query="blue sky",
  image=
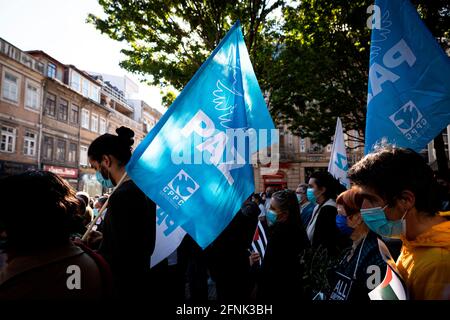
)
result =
(58, 27)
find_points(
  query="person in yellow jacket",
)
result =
(400, 201)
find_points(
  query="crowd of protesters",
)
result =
(395, 199)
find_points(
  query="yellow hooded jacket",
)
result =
(424, 264)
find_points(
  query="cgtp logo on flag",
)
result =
(180, 189)
(410, 121)
(196, 163)
(406, 117)
(408, 100)
(341, 162)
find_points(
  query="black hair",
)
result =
(84, 197)
(269, 191)
(287, 202)
(83, 205)
(332, 186)
(303, 186)
(102, 200)
(390, 170)
(45, 219)
(119, 146)
(258, 198)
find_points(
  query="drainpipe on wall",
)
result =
(79, 144)
(40, 138)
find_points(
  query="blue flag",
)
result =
(409, 79)
(190, 164)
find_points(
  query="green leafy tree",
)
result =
(311, 61)
(321, 70)
(169, 40)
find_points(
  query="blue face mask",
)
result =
(107, 183)
(375, 219)
(310, 195)
(341, 224)
(299, 197)
(95, 212)
(271, 217)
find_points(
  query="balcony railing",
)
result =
(16, 54)
(118, 97)
(126, 121)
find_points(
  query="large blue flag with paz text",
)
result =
(409, 79)
(196, 162)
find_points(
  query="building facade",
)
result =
(431, 152)
(121, 111)
(21, 96)
(51, 112)
(299, 158)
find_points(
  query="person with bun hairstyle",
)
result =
(129, 229)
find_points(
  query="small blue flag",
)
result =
(190, 164)
(409, 79)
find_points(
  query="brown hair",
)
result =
(389, 170)
(351, 201)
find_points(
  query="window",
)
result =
(10, 87)
(445, 137)
(83, 155)
(51, 70)
(85, 119)
(72, 152)
(95, 93)
(302, 145)
(75, 84)
(50, 105)
(32, 96)
(74, 114)
(48, 148)
(62, 110)
(316, 148)
(61, 150)
(8, 139)
(85, 88)
(29, 144)
(94, 123)
(102, 125)
(290, 138)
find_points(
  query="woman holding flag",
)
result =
(129, 224)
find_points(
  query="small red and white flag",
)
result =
(259, 243)
(393, 287)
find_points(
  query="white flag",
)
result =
(338, 165)
(168, 237)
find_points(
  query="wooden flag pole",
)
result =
(105, 205)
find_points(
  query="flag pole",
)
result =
(103, 208)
